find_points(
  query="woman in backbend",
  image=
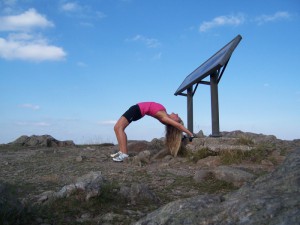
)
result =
(174, 126)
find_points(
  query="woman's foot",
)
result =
(120, 157)
(115, 154)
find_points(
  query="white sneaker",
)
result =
(115, 154)
(120, 157)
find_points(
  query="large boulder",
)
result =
(236, 176)
(40, 141)
(270, 199)
(216, 144)
(257, 138)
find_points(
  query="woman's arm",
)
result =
(179, 126)
(163, 118)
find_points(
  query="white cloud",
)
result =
(272, 18)
(35, 124)
(9, 2)
(22, 43)
(80, 10)
(30, 106)
(81, 64)
(32, 49)
(7, 5)
(41, 124)
(222, 21)
(24, 21)
(100, 15)
(157, 56)
(86, 24)
(70, 7)
(107, 122)
(149, 42)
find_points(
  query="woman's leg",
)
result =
(119, 129)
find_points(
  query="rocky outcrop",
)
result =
(270, 199)
(40, 141)
(135, 147)
(123, 193)
(217, 144)
(255, 137)
(90, 184)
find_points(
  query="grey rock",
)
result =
(111, 218)
(233, 175)
(210, 161)
(200, 175)
(161, 154)
(144, 156)
(79, 158)
(255, 137)
(40, 141)
(200, 134)
(270, 199)
(90, 183)
(138, 193)
(156, 145)
(216, 144)
(141, 158)
(134, 147)
(183, 211)
(65, 191)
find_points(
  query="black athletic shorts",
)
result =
(133, 113)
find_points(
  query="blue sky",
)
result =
(71, 68)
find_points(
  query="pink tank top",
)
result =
(150, 108)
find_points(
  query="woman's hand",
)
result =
(190, 138)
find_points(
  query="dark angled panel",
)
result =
(214, 63)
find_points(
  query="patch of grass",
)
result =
(95, 145)
(63, 210)
(273, 160)
(256, 155)
(232, 156)
(66, 210)
(245, 141)
(201, 154)
(260, 152)
(212, 185)
(182, 152)
(283, 151)
(109, 194)
(10, 148)
(235, 156)
(12, 211)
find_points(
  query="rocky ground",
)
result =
(50, 182)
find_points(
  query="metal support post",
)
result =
(214, 105)
(190, 109)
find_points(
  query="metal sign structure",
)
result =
(214, 67)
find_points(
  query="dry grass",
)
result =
(200, 154)
(256, 155)
(233, 156)
(245, 141)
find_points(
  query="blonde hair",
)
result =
(173, 139)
